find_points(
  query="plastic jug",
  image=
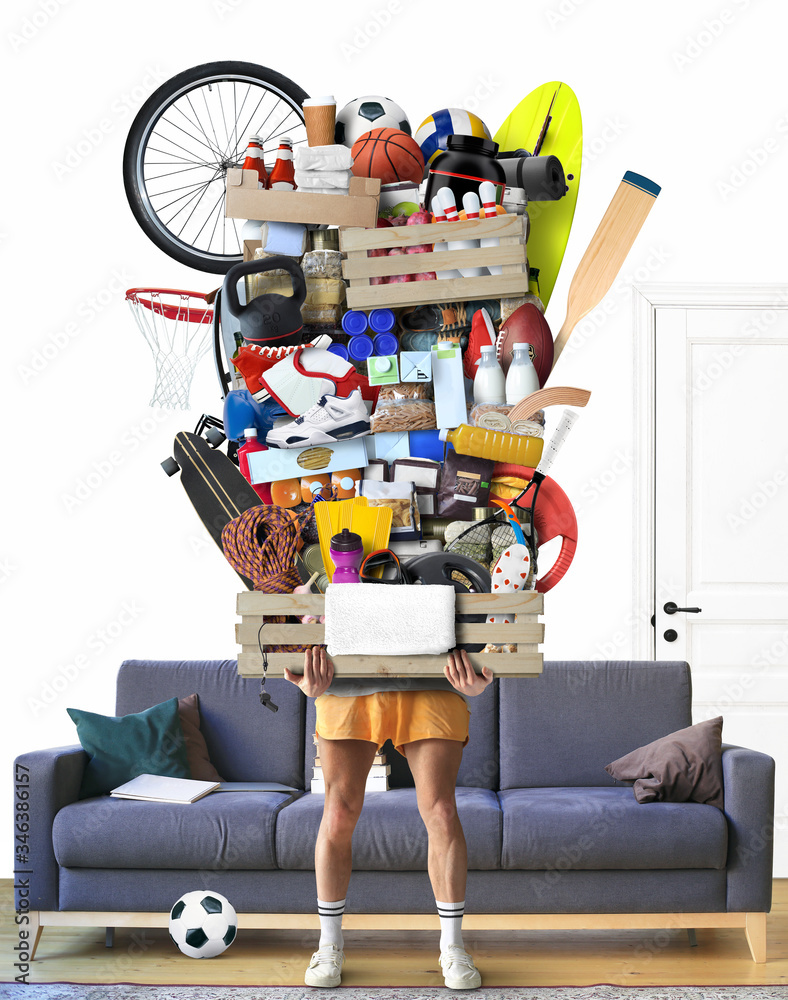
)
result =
(270, 320)
(521, 379)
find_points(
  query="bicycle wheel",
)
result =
(181, 144)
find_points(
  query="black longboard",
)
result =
(217, 490)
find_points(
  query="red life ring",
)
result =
(554, 516)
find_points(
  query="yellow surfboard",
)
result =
(547, 122)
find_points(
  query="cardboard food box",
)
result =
(245, 200)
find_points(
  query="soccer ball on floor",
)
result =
(363, 114)
(203, 924)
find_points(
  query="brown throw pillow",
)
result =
(196, 750)
(685, 766)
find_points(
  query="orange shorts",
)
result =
(401, 716)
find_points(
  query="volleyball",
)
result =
(433, 132)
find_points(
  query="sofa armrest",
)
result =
(55, 776)
(748, 780)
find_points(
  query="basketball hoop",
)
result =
(177, 327)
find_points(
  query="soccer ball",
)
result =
(363, 114)
(203, 924)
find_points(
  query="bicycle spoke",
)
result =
(184, 187)
(218, 202)
(207, 146)
(188, 201)
(216, 152)
(169, 173)
(166, 138)
(210, 117)
(246, 127)
(175, 157)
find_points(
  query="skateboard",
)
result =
(217, 490)
(547, 122)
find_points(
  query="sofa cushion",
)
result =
(221, 830)
(196, 750)
(562, 727)
(245, 741)
(390, 834)
(479, 766)
(685, 766)
(121, 747)
(598, 828)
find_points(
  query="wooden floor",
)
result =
(409, 959)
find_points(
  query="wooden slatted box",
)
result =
(358, 268)
(526, 631)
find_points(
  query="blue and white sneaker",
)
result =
(331, 419)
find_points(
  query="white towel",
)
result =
(389, 619)
(322, 179)
(322, 158)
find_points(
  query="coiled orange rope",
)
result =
(261, 545)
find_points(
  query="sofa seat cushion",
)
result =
(598, 828)
(390, 834)
(221, 830)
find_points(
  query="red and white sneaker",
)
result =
(252, 360)
(331, 419)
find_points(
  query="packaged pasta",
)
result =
(403, 415)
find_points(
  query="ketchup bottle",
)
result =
(283, 174)
(263, 490)
(254, 160)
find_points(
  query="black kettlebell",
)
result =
(270, 320)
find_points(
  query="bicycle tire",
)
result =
(152, 111)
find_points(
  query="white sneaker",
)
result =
(325, 968)
(331, 419)
(459, 972)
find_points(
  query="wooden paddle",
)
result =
(607, 251)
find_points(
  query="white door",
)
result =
(720, 475)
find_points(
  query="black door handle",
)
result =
(671, 608)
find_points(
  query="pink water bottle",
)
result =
(346, 551)
(263, 490)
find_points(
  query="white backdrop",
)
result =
(692, 95)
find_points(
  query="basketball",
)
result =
(389, 154)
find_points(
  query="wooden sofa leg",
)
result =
(755, 929)
(35, 929)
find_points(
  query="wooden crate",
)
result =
(244, 200)
(526, 631)
(511, 255)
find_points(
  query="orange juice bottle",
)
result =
(519, 449)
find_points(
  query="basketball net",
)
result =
(177, 327)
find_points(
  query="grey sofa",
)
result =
(553, 841)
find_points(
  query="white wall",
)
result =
(687, 94)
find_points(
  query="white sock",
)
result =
(451, 915)
(331, 923)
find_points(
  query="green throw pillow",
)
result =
(121, 747)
